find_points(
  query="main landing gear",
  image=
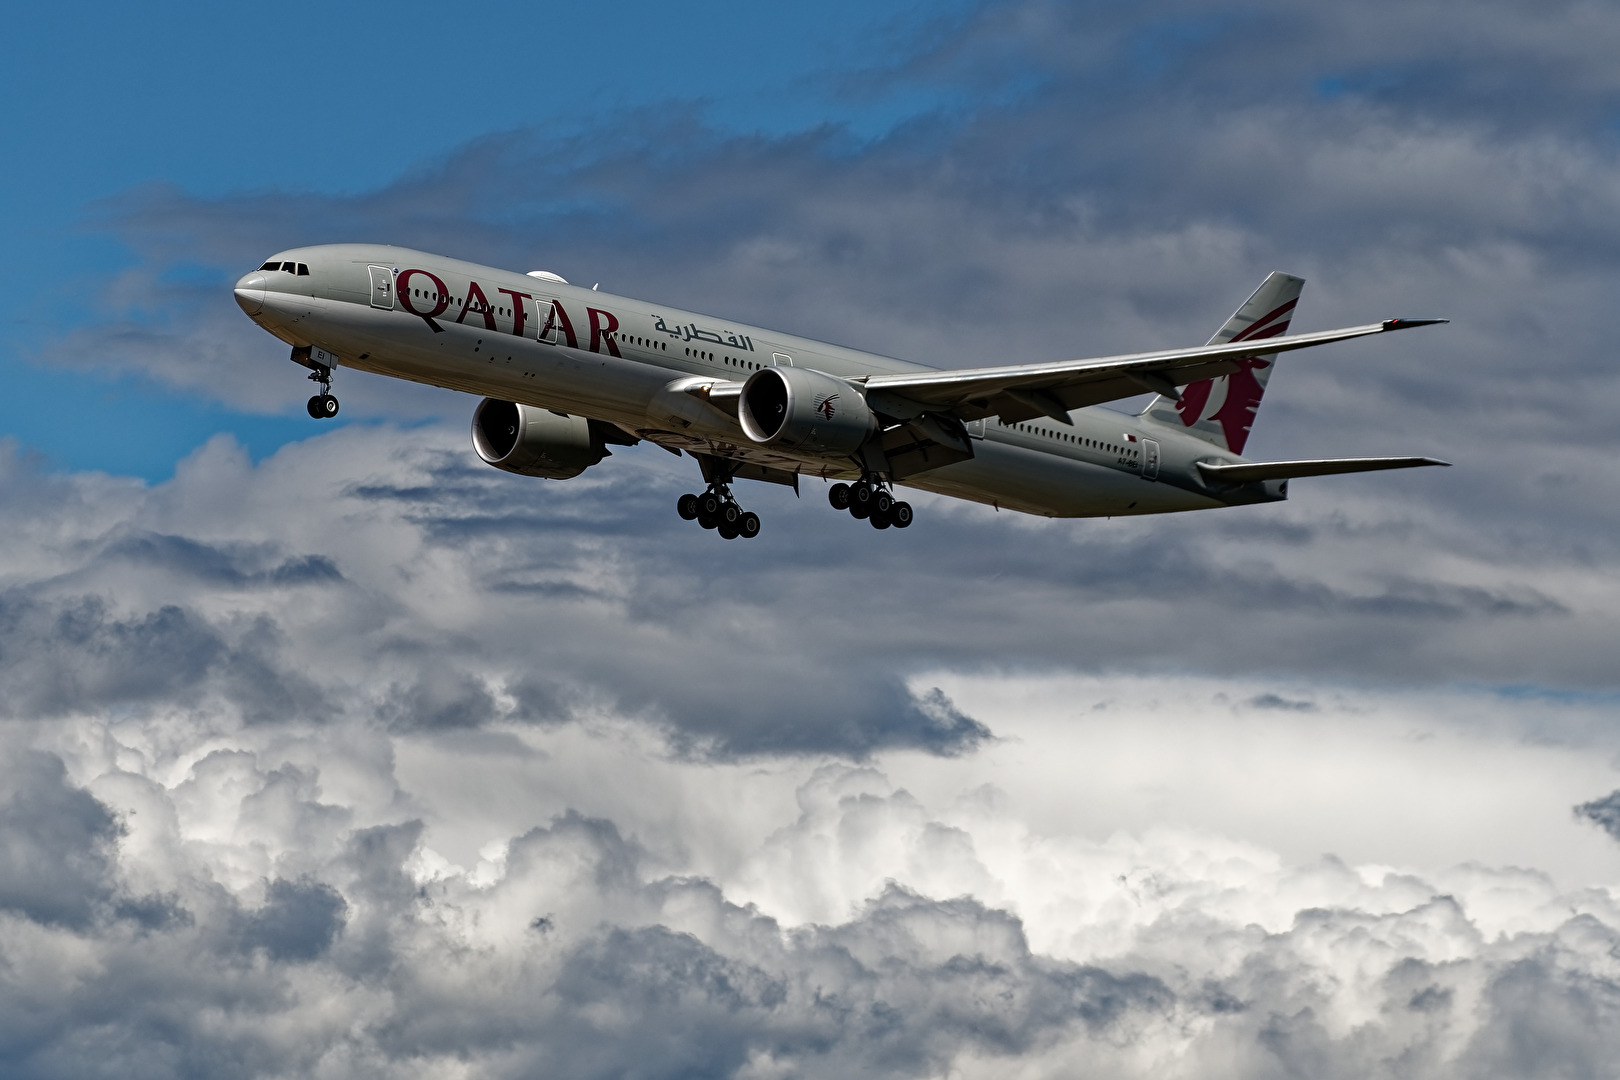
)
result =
(717, 509)
(869, 499)
(323, 406)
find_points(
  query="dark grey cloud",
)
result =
(1546, 1022)
(428, 593)
(75, 653)
(299, 920)
(79, 654)
(56, 843)
(1604, 813)
(218, 567)
(1277, 701)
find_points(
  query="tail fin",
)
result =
(1222, 410)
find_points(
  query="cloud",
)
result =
(1111, 179)
(1604, 813)
(56, 843)
(298, 921)
(471, 597)
(851, 926)
(1127, 177)
(367, 760)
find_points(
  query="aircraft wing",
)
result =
(1251, 472)
(1024, 391)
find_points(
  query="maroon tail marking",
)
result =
(1243, 390)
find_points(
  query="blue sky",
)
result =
(227, 100)
(327, 750)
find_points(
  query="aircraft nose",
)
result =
(250, 293)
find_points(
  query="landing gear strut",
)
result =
(323, 406)
(870, 500)
(717, 508)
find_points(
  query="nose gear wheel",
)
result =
(323, 406)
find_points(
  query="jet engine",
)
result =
(535, 442)
(800, 409)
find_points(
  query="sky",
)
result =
(326, 750)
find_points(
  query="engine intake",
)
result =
(534, 442)
(801, 409)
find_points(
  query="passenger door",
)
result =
(382, 288)
(1150, 459)
(545, 320)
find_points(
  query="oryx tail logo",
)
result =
(825, 406)
(1235, 414)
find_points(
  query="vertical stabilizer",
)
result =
(1222, 410)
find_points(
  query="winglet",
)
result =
(1407, 324)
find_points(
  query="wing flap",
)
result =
(1254, 472)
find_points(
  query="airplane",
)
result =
(567, 372)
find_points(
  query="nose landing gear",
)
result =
(323, 406)
(869, 500)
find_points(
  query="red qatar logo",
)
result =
(825, 406)
(439, 295)
(1243, 389)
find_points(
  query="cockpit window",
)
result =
(303, 271)
(271, 266)
(291, 268)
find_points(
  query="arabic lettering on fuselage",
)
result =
(690, 332)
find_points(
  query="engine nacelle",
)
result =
(800, 409)
(534, 442)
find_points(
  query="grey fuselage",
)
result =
(631, 363)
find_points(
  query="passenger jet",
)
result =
(566, 372)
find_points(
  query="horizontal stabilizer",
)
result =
(1250, 473)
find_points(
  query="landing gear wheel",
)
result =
(709, 521)
(900, 515)
(728, 530)
(838, 495)
(730, 514)
(860, 498)
(748, 525)
(323, 406)
(709, 504)
(687, 507)
(880, 521)
(882, 503)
